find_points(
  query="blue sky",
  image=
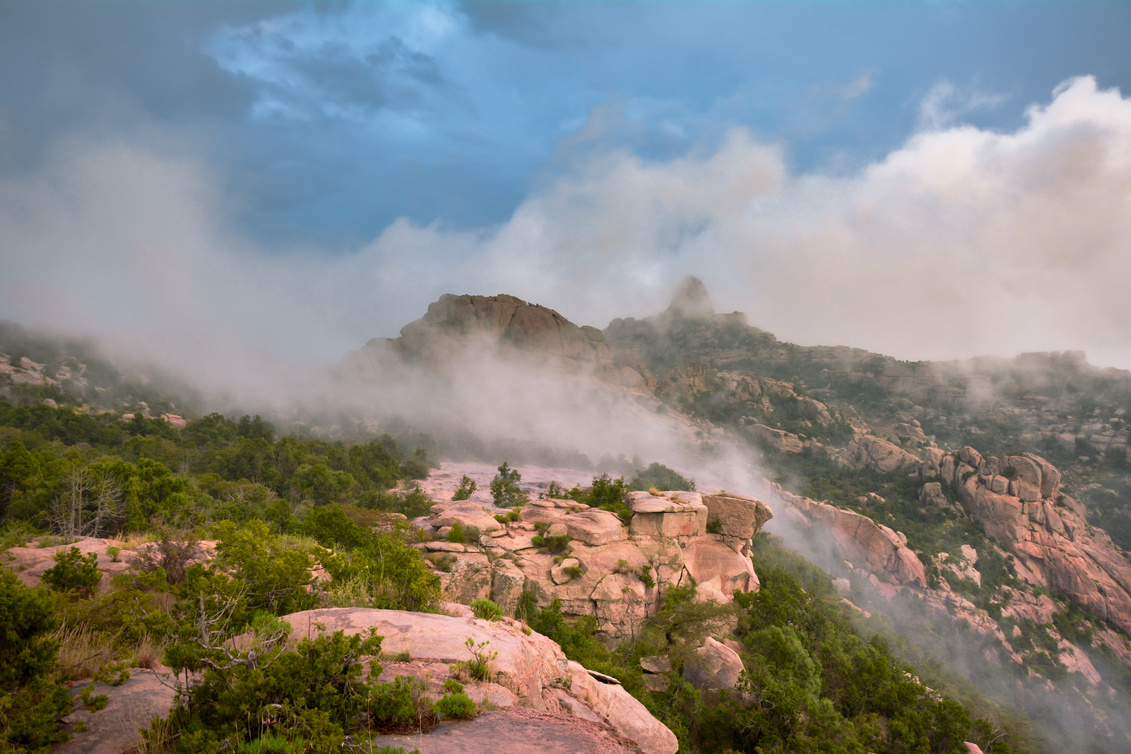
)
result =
(318, 172)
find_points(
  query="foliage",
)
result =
(74, 572)
(467, 487)
(32, 700)
(504, 487)
(478, 668)
(316, 691)
(555, 545)
(605, 493)
(456, 705)
(660, 477)
(486, 609)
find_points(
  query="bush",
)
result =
(457, 706)
(504, 487)
(486, 609)
(316, 691)
(73, 572)
(662, 478)
(32, 700)
(553, 545)
(467, 487)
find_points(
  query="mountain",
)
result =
(981, 507)
(980, 489)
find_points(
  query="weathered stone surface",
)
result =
(507, 583)
(779, 439)
(530, 666)
(868, 452)
(560, 573)
(717, 570)
(859, 539)
(1048, 536)
(133, 705)
(656, 664)
(713, 666)
(629, 716)
(468, 579)
(737, 516)
(465, 514)
(595, 527)
(512, 730)
(670, 514)
(608, 566)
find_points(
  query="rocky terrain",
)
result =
(994, 491)
(613, 570)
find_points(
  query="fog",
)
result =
(962, 242)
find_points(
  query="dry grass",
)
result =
(134, 540)
(148, 652)
(83, 651)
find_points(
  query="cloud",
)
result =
(962, 242)
(946, 103)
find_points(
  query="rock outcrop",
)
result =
(601, 566)
(875, 454)
(1018, 501)
(454, 323)
(537, 695)
(858, 539)
(713, 667)
(531, 670)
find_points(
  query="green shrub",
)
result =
(645, 574)
(467, 487)
(478, 668)
(486, 609)
(400, 707)
(511, 516)
(662, 478)
(32, 700)
(504, 487)
(73, 572)
(457, 706)
(272, 745)
(553, 545)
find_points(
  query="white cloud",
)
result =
(961, 242)
(946, 103)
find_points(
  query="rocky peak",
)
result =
(691, 301)
(1018, 501)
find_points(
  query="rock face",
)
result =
(145, 695)
(611, 570)
(714, 666)
(1018, 501)
(530, 667)
(868, 452)
(858, 539)
(452, 323)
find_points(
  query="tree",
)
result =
(87, 505)
(32, 701)
(504, 487)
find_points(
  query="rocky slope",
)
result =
(600, 566)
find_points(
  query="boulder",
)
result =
(530, 666)
(507, 584)
(737, 516)
(868, 452)
(713, 666)
(670, 514)
(465, 514)
(717, 569)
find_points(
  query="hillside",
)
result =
(961, 508)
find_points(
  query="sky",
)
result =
(216, 181)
